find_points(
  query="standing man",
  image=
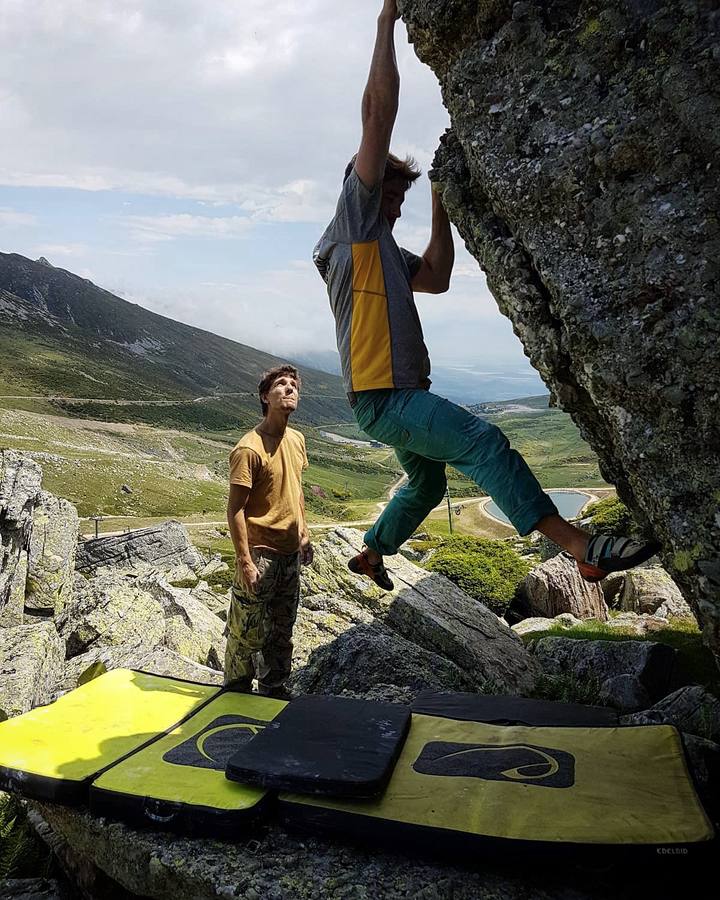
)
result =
(370, 282)
(266, 515)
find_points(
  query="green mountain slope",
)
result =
(63, 337)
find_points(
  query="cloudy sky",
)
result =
(187, 155)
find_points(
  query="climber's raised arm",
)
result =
(380, 100)
(433, 276)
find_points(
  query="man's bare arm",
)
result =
(306, 548)
(380, 100)
(238, 532)
(433, 276)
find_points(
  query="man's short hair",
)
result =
(405, 170)
(266, 382)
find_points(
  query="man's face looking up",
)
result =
(283, 394)
(393, 196)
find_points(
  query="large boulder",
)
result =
(374, 662)
(425, 609)
(31, 664)
(164, 546)
(692, 709)
(51, 557)
(649, 662)
(536, 624)
(20, 486)
(124, 621)
(651, 590)
(111, 613)
(191, 629)
(581, 171)
(556, 586)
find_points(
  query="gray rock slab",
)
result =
(691, 709)
(51, 555)
(556, 587)
(540, 623)
(373, 662)
(32, 658)
(20, 486)
(271, 864)
(703, 758)
(651, 662)
(111, 612)
(429, 610)
(160, 546)
(191, 629)
(625, 693)
(651, 590)
(164, 661)
(32, 889)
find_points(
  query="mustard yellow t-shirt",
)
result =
(272, 470)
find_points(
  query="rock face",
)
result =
(20, 483)
(652, 590)
(691, 709)
(610, 664)
(432, 633)
(581, 171)
(556, 587)
(161, 546)
(51, 560)
(269, 864)
(31, 662)
(191, 629)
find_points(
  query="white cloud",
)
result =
(51, 251)
(283, 311)
(167, 228)
(252, 108)
(12, 219)
(193, 99)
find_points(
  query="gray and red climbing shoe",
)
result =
(361, 565)
(607, 554)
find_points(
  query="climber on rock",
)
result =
(370, 282)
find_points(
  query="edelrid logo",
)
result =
(516, 763)
(216, 743)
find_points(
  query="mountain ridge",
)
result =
(55, 325)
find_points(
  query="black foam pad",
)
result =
(325, 745)
(501, 710)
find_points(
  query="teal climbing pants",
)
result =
(427, 432)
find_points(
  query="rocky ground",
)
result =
(145, 600)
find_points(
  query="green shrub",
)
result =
(611, 516)
(21, 853)
(488, 570)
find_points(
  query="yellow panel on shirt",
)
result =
(370, 351)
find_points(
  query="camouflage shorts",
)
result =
(259, 626)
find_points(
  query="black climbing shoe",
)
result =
(607, 554)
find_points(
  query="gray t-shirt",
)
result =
(368, 277)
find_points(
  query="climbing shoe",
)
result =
(361, 565)
(607, 554)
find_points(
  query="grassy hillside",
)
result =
(174, 473)
(63, 337)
